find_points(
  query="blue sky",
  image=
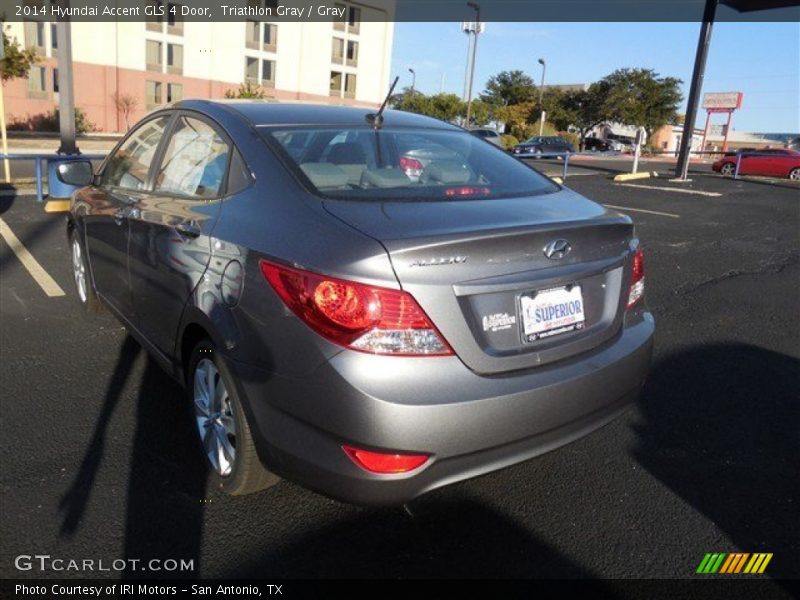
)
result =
(760, 59)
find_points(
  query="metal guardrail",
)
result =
(564, 155)
(40, 158)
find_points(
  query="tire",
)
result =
(794, 174)
(224, 434)
(537, 154)
(728, 169)
(81, 275)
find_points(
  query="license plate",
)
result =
(551, 312)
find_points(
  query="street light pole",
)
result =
(413, 79)
(541, 97)
(476, 7)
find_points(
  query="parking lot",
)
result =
(99, 460)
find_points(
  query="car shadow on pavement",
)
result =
(456, 537)
(166, 483)
(721, 428)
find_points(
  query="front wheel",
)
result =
(80, 273)
(728, 169)
(222, 426)
(794, 174)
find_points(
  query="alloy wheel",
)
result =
(79, 269)
(728, 169)
(794, 175)
(215, 417)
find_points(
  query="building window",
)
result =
(341, 9)
(337, 51)
(155, 22)
(53, 40)
(55, 81)
(251, 35)
(153, 56)
(34, 36)
(175, 59)
(350, 86)
(268, 73)
(37, 84)
(336, 83)
(352, 54)
(353, 19)
(251, 70)
(174, 92)
(270, 37)
(174, 19)
(153, 94)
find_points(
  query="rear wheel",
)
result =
(80, 273)
(728, 169)
(794, 174)
(222, 426)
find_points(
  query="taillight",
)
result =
(636, 291)
(466, 190)
(385, 462)
(358, 316)
(411, 166)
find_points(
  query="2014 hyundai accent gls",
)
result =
(370, 305)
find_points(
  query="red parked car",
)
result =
(778, 162)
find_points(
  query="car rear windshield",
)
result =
(402, 164)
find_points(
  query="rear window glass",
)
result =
(403, 164)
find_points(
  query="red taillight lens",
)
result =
(636, 291)
(411, 166)
(385, 463)
(361, 317)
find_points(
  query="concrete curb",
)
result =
(631, 176)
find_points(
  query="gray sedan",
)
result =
(372, 307)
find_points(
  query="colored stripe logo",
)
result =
(731, 564)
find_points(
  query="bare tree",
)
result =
(126, 104)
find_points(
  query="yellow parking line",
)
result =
(40, 276)
(641, 210)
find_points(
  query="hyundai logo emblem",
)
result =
(557, 249)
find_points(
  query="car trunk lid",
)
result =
(474, 265)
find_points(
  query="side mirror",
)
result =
(75, 172)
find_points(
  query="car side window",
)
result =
(129, 165)
(195, 161)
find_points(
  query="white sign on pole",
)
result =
(722, 100)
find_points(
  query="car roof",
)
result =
(266, 113)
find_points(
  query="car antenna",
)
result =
(376, 119)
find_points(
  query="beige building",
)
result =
(165, 60)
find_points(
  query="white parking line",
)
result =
(666, 189)
(40, 276)
(642, 210)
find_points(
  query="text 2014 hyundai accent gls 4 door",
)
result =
(338, 321)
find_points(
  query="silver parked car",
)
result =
(368, 332)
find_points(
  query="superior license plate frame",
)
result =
(527, 304)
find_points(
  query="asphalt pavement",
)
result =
(99, 460)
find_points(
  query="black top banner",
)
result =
(398, 10)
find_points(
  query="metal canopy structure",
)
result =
(700, 66)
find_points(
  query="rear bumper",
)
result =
(470, 424)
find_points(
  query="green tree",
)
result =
(517, 119)
(508, 88)
(444, 106)
(17, 60)
(480, 114)
(585, 109)
(641, 97)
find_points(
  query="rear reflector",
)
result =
(636, 291)
(385, 463)
(355, 315)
